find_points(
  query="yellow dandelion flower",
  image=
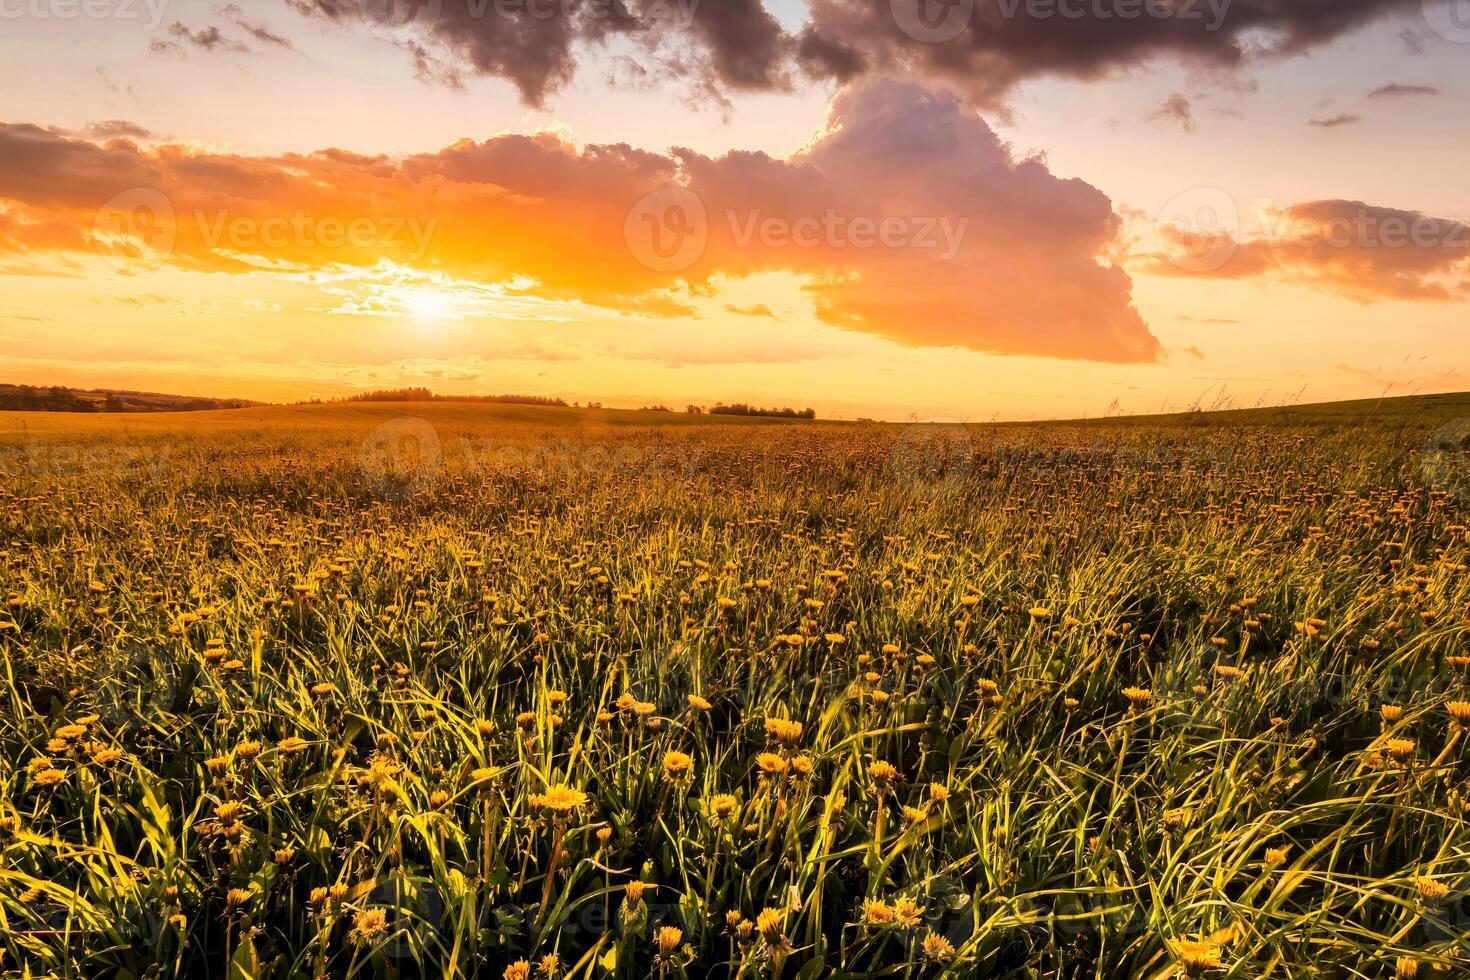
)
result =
(368, 925)
(677, 765)
(559, 801)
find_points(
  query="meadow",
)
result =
(516, 692)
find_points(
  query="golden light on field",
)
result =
(348, 682)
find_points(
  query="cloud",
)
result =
(145, 299)
(531, 43)
(982, 48)
(907, 217)
(1176, 109)
(1361, 252)
(1004, 42)
(1393, 90)
(209, 39)
(758, 309)
(256, 29)
(117, 129)
(1332, 122)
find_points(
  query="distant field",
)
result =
(1408, 410)
(441, 689)
(356, 416)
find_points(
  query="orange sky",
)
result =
(748, 204)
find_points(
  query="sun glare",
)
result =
(427, 304)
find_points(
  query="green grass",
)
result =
(448, 629)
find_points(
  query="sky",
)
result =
(900, 209)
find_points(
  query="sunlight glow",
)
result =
(427, 304)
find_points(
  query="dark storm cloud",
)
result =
(982, 47)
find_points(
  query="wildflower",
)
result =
(519, 970)
(722, 806)
(1400, 750)
(549, 967)
(771, 764)
(1431, 892)
(291, 745)
(668, 939)
(1405, 968)
(632, 911)
(1276, 855)
(677, 766)
(1459, 714)
(883, 774)
(368, 925)
(937, 948)
(783, 730)
(1196, 956)
(698, 703)
(48, 778)
(877, 915)
(103, 755)
(1138, 697)
(771, 928)
(560, 801)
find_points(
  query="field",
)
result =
(517, 692)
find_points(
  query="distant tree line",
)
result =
(55, 398)
(740, 408)
(425, 395)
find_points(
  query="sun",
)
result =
(427, 304)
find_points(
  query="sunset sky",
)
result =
(965, 210)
